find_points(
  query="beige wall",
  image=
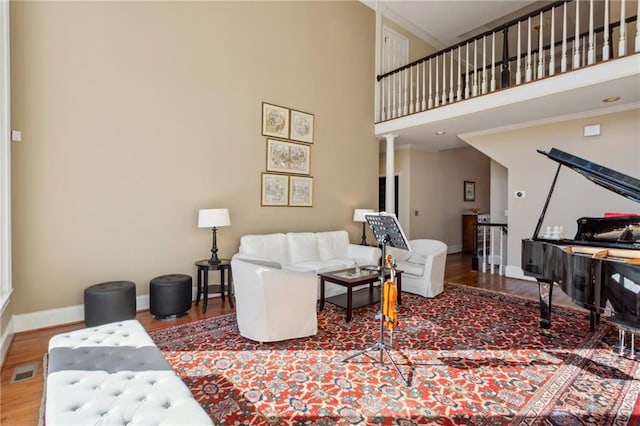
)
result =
(432, 184)
(136, 114)
(574, 196)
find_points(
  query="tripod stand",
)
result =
(387, 231)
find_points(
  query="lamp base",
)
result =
(363, 241)
(215, 261)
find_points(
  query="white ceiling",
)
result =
(445, 23)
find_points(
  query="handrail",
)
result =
(498, 29)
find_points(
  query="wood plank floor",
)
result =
(20, 402)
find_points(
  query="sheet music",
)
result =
(387, 230)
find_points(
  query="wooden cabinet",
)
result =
(468, 220)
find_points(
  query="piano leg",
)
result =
(594, 320)
(545, 289)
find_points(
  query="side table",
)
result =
(203, 281)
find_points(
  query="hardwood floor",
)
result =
(20, 402)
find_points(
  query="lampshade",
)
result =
(213, 218)
(358, 214)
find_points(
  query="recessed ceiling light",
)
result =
(440, 133)
(611, 99)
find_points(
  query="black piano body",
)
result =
(600, 267)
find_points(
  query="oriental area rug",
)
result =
(471, 357)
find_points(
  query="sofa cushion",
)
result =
(411, 268)
(268, 246)
(302, 246)
(332, 244)
(319, 266)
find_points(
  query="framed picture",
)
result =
(469, 190)
(275, 190)
(300, 191)
(301, 126)
(287, 157)
(275, 121)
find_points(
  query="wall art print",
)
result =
(287, 157)
(300, 191)
(275, 121)
(301, 126)
(275, 190)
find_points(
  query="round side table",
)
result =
(224, 266)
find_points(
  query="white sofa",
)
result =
(311, 252)
(273, 304)
(422, 267)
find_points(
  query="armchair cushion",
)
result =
(423, 269)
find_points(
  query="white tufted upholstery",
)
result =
(115, 375)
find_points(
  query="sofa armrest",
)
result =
(370, 254)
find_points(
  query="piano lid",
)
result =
(612, 180)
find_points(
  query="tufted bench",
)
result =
(115, 374)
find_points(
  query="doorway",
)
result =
(382, 193)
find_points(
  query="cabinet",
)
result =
(468, 220)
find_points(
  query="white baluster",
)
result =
(436, 100)
(518, 64)
(459, 94)
(389, 98)
(399, 106)
(583, 60)
(493, 62)
(605, 45)
(424, 86)
(637, 41)
(552, 47)
(563, 60)
(528, 71)
(430, 91)
(501, 270)
(405, 103)
(417, 108)
(451, 98)
(491, 248)
(466, 80)
(444, 79)
(383, 110)
(622, 44)
(540, 50)
(484, 249)
(592, 48)
(393, 91)
(483, 86)
(474, 90)
(576, 39)
(410, 91)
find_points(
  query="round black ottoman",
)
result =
(110, 301)
(170, 295)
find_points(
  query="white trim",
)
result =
(5, 157)
(5, 342)
(58, 316)
(516, 272)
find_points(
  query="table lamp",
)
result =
(213, 218)
(358, 216)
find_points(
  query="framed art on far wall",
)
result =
(287, 157)
(275, 190)
(275, 121)
(301, 126)
(469, 190)
(300, 191)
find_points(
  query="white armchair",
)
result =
(273, 304)
(423, 267)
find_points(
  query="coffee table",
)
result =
(350, 279)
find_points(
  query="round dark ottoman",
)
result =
(170, 295)
(110, 301)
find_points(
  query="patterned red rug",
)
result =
(471, 357)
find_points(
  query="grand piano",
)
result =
(600, 267)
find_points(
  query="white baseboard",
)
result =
(58, 316)
(454, 249)
(5, 341)
(516, 272)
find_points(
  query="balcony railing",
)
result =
(558, 38)
(489, 247)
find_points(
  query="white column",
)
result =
(5, 161)
(390, 190)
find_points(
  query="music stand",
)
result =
(387, 231)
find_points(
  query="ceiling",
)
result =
(446, 23)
